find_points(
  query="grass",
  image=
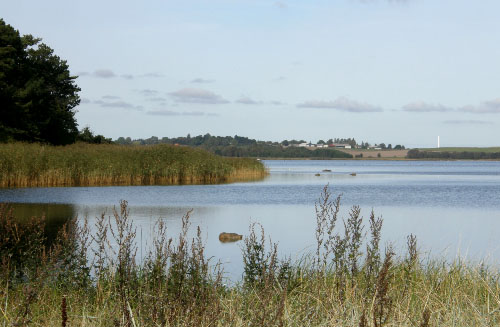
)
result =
(463, 149)
(28, 165)
(348, 281)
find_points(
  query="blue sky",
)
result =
(400, 72)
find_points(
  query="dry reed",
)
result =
(35, 165)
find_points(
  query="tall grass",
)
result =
(349, 281)
(24, 165)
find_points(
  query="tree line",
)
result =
(239, 146)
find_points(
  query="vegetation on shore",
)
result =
(239, 146)
(455, 154)
(27, 165)
(463, 149)
(350, 280)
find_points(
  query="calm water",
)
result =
(451, 206)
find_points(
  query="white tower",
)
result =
(438, 141)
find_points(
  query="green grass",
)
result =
(463, 149)
(24, 165)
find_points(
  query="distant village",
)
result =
(209, 141)
(333, 145)
(341, 144)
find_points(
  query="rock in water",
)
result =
(229, 237)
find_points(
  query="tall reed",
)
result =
(23, 165)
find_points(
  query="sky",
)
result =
(392, 71)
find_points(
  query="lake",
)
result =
(453, 207)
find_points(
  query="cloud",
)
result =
(280, 4)
(468, 122)
(341, 104)
(157, 99)
(486, 107)
(174, 113)
(108, 73)
(192, 95)
(247, 100)
(110, 97)
(152, 75)
(202, 81)
(421, 106)
(84, 100)
(279, 79)
(277, 103)
(148, 92)
(118, 104)
(104, 73)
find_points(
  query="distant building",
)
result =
(340, 146)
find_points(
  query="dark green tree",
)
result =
(38, 95)
(87, 136)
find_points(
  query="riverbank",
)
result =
(35, 165)
(349, 281)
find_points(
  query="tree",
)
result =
(38, 95)
(87, 136)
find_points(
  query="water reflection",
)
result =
(56, 215)
(450, 206)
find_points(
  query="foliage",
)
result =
(239, 146)
(87, 136)
(37, 92)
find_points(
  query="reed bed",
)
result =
(35, 165)
(349, 280)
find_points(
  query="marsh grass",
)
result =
(177, 285)
(27, 165)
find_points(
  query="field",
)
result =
(28, 165)
(373, 154)
(463, 149)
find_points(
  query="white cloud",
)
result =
(486, 107)
(110, 97)
(341, 104)
(281, 4)
(421, 106)
(200, 80)
(104, 73)
(247, 100)
(175, 113)
(192, 95)
(148, 92)
(118, 104)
